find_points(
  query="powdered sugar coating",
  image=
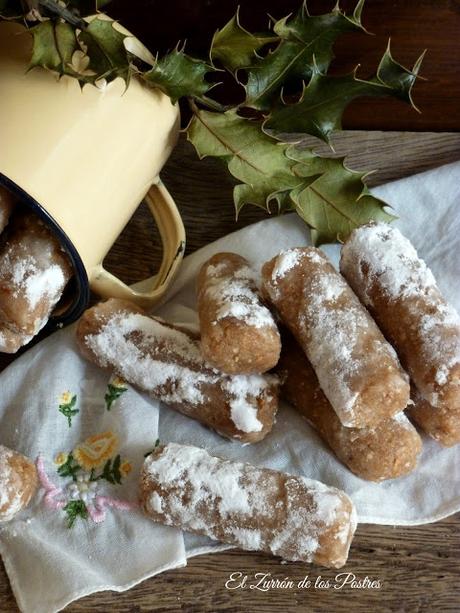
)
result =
(11, 342)
(383, 265)
(340, 339)
(17, 483)
(235, 295)
(254, 508)
(33, 274)
(167, 362)
(31, 277)
(386, 253)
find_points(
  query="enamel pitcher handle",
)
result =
(149, 292)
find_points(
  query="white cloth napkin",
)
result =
(115, 547)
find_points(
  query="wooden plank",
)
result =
(414, 25)
(203, 188)
(418, 566)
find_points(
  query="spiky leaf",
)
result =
(108, 57)
(53, 47)
(329, 197)
(178, 74)
(336, 201)
(256, 160)
(235, 47)
(306, 41)
(319, 111)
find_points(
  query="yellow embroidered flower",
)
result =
(126, 468)
(96, 450)
(61, 458)
(118, 382)
(66, 398)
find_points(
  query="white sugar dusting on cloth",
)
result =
(236, 295)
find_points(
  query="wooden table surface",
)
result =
(413, 25)
(418, 567)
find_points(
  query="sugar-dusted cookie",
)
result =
(166, 361)
(357, 369)
(238, 333)
(400, 291)
(252, 508)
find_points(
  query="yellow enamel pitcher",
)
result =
(84, 159)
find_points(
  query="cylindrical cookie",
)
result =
(18, 483)
(389, 450)
(166, 361)
(33, 274)
(400, 291)
(11, 342)
(253, 508)
(438, 422)
(6, 207)
(238, 333)
(357, 369)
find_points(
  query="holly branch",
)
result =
(286, 92)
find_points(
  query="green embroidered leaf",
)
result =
(74, 509)
(116, 469)
(336, 201)
(320, 109)
(68, 410)
(69, 468)
(108, 57)
(157, 442)
(306, 41)
(111, 471)
(235, 47)
(53, 47)
(113, 393)
(255, 159)
(178, 74)
(107, 472)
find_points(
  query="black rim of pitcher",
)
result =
(82, 297)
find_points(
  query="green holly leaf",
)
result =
(324, 100)
(235, 47)
(329, 197)
(108, 57)
(305, 41)
(253, 158)
(178, 74)
(53, 47)
(337, 200)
